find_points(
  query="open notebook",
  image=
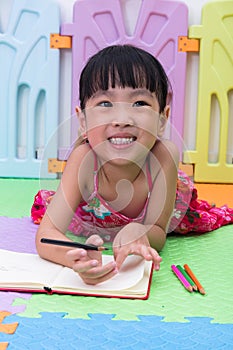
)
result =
(29, 273)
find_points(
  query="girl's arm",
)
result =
(88, 264)
(61, 209)
(165, 156)
(149, 238)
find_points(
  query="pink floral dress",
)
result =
(190, 214)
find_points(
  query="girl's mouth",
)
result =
(121, 140)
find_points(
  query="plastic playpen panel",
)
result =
(29, 84)
(213, 156)
(97, 24)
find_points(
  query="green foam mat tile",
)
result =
(17, 195)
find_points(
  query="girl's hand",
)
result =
(132, 239)
(88, 263)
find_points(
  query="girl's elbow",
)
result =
(157, 237)
(39, 245)
(39, 248)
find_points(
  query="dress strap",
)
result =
(96, 182)
(148, 174)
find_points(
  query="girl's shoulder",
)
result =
(166, 152)
(80, 166)
(80, 153)
(80, 159)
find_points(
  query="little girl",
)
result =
(120, 181)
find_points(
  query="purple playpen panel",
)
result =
(97, 24)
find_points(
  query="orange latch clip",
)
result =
(58, 41)
(188, 45)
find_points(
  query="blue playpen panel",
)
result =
(29, 85)
(97, 24)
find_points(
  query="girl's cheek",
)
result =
(95, 122)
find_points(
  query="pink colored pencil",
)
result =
(181, 278)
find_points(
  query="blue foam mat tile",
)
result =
(54, 332)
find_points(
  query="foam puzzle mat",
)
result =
(171, 318)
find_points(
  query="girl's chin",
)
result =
(118, 158)
(121, 154)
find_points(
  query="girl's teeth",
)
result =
(121, 140)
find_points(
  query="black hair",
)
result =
(125, 66)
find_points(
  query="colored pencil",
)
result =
(188, 278)
(72, 244)
(194, 278)
(181, 278)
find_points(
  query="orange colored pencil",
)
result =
(194, 278)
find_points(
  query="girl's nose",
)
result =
(121, 124)
(122, 116)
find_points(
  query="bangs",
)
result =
(122, 66)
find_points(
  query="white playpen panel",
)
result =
(29, 85)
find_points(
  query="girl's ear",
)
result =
(82, 121)
(163, 120)
(167, 111)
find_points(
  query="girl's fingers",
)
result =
(151, 254)
(84, 266)
(156, 258)
(100, 279)
(92, 268)
(98, 274)
(120, 256)
(81, 254)
(76, 254)
(95, 239)
(146, 252)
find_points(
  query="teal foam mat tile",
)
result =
(52, 331)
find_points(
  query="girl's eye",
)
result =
(105, 104)
(140, 104)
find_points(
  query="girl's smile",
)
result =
(121, 140)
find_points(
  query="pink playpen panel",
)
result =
(97, 24)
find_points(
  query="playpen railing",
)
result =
(213, 156)
(29, 85)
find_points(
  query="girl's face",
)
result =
(122, 123)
